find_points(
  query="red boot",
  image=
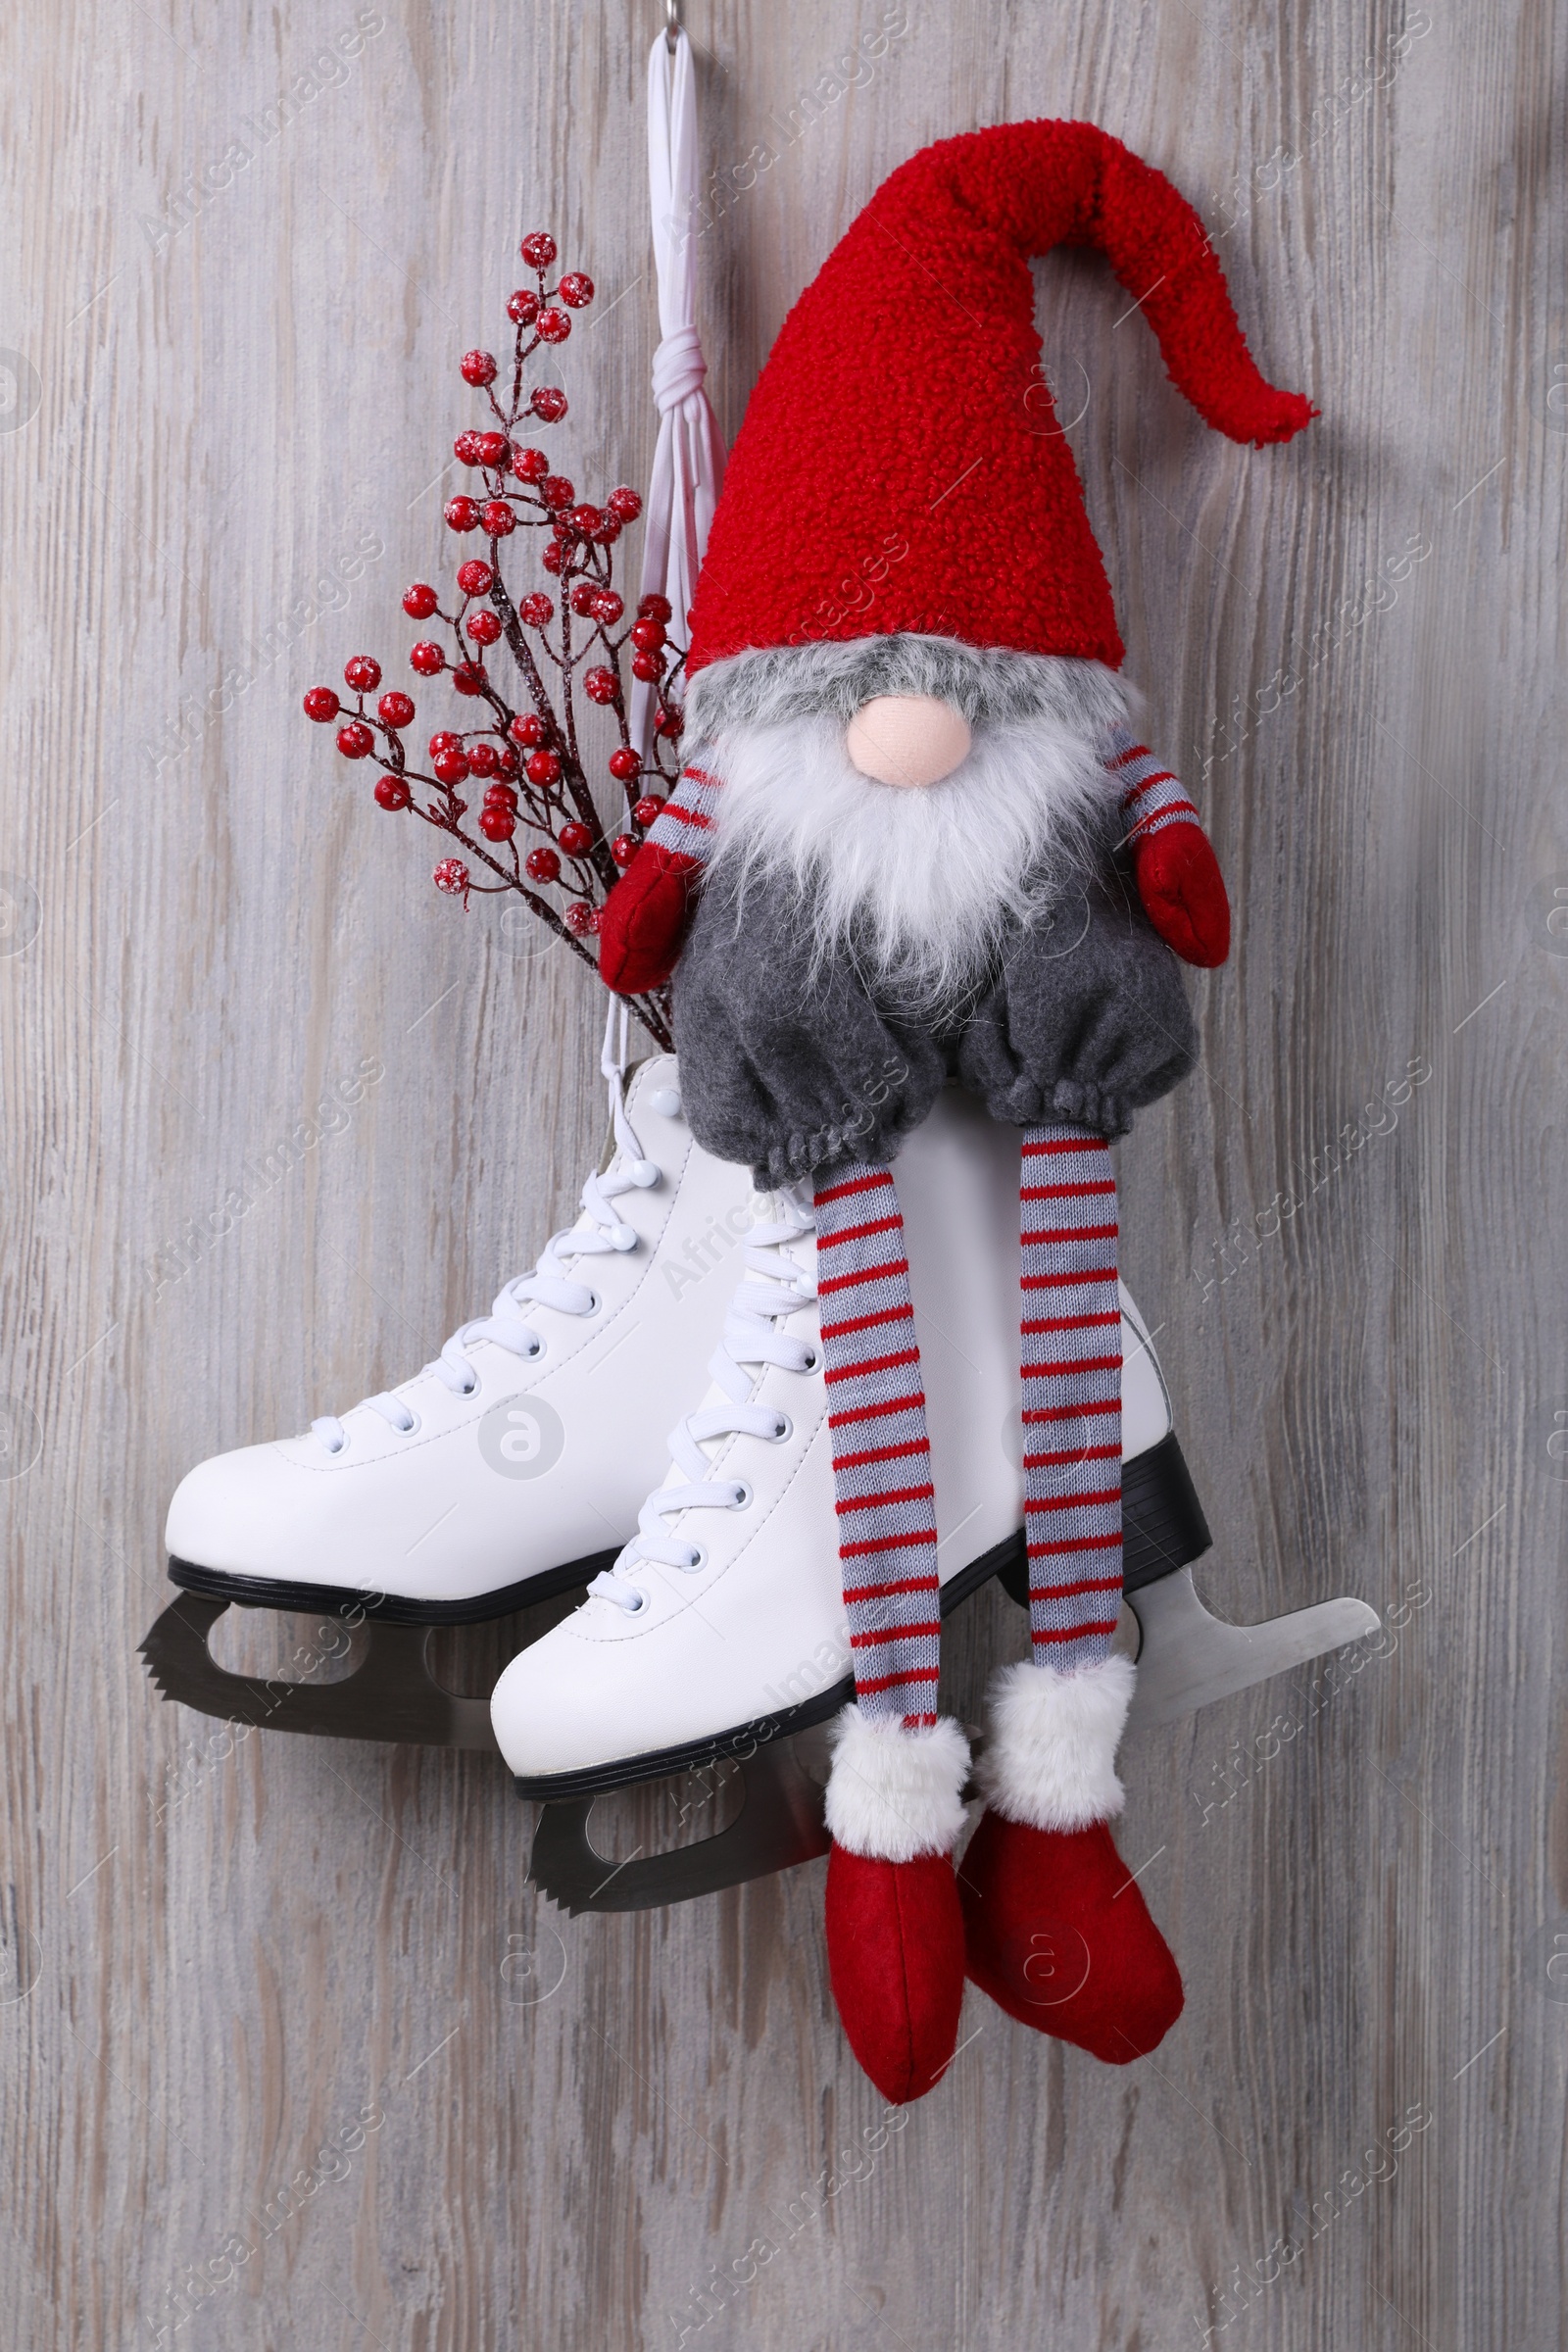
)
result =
(894, 1932)
(1055, 1930)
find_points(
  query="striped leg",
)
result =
(1070, 1326)
(893, 1801)
(1042, 1872)
(881, 1455)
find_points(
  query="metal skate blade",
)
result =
(779, 1824)
(391, 1695)
(1187, 1657)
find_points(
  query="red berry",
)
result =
(574, 837)
(601, 685)
(501, 795)
(528, 729)
(355, 740)
(624, 764)
(558, 490)
(476, 577)
(427, 659)
(469, 677)
(608, 607)
(530, 464)
(465, 448)
(579, 918)
(483, 758)
(499, 520)
(668, 721)
(363, 674)
(483, 626)
(607, 530)
(479, 367)
(322, 705)
(452, 876)
(543, 768)
(450, 767)
(419, 601)
(523, 308)
(542, 866)
(538, 249)
(577, 289)
(497, 824)
(553, 557)
(509, 764)
(393, 793)
(395, 709)
(648, 635)
(585, 520)
(461, 513)
(647, 810)
(585, 599)
(624, 849)
(494, 449)
(553, 326)
(624, 503)
(655, 608)
(650, 668)
(537, 610)
(444, 741)
(548, 403)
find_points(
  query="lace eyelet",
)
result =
(744, 1496)
(634, 1608)
(473, 1389)
(699, 1560)
(411, 1426)
(531, 1355)
(814, 1360)
(784, 1431)
(596, 1305)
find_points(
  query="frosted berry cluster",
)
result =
(537, 828)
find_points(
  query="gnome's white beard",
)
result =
(915, 884)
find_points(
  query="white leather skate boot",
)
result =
(513, 1465)
(722, 1623)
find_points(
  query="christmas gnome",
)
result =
(918, 842)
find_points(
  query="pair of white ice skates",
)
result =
(521, 1462)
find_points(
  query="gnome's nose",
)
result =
(907, 739)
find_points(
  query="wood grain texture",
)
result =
(219, 1954)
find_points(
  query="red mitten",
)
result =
(1061, 1937)
(894, 1954)
(1183, 893)
(644, 922)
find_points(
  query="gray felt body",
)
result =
(1085, 1017)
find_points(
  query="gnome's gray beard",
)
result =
(914, 884)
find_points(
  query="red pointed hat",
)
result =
(899, 466)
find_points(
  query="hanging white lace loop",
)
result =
(773, 1290)
(555, 1280)
(689, 455)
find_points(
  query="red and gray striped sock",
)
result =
(881, 1454)
(1071, 1331)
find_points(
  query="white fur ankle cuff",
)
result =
(1051, 1758)
(895, 1793)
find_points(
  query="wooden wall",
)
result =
(221, 432)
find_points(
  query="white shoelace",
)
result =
(772, 1289)
(551, 1282)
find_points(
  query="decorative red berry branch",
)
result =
(528, 757)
